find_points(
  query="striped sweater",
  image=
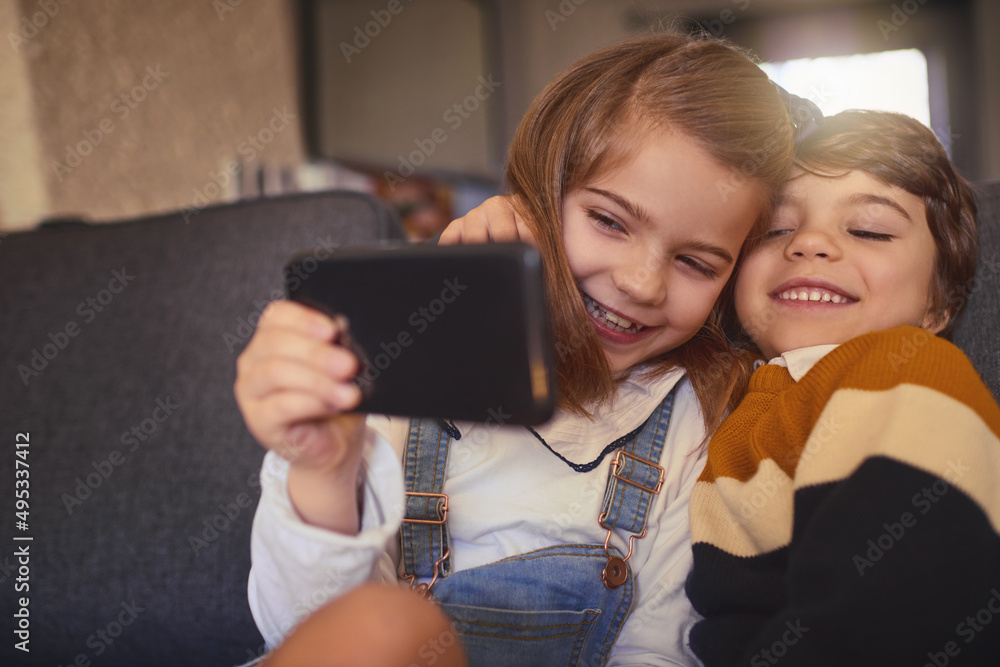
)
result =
(853, 518)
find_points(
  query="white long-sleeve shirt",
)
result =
(507, 495)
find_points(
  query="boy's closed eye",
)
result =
(857, 233)
(775, 233)
(872, 236)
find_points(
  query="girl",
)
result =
(638, 173)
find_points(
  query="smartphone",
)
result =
(451, 332)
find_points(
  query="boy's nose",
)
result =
(809, 244)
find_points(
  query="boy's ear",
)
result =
(936, 320)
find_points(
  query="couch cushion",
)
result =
(119, 344)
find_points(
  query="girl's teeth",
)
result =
(612, 320)
(620, 321)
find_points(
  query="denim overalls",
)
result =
(561, 605)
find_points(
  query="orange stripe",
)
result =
(777, 427)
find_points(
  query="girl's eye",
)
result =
(703, 269)
(605, 221)
(775, 233)
(872, 236)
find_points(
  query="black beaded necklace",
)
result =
(453, 431)
(587, 467)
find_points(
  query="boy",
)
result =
(847, 513)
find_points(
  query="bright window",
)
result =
(887, 81)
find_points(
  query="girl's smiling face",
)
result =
(845, 256)
(652, 244)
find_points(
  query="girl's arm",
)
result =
(310, 540)
(298, 567)
(293, 386)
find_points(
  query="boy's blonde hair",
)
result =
(898, 150)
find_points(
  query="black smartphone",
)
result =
(452, 332)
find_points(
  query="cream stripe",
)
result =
(722, 511)
(913, 424)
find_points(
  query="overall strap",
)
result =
(636, 475)
(423, 536)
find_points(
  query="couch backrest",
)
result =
(978, 332)
(119, 344)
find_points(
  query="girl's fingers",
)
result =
(492, 221)
(277, 375)
(452, 235)
(298, 427)
(500, 222)
(335, 361)
(284, 314)
(285, 410)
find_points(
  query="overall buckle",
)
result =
(442, 508)
(619, 463)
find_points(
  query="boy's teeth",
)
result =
(813, 295)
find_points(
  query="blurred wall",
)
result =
(116, 108)
(392, 93)
(552, 34)
(23, 186)
(162, 96)
(987, 17)
(400, 79)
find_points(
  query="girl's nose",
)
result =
(641, 282)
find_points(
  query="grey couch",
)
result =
(119, 345)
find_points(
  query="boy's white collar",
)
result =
(800, 361)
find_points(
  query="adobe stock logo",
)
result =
(32, 22)
(381, 18)
(122, 107)
(455, 116)
(420, 319)
(58, 341)
(89, 482)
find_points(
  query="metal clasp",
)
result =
(607, 538)
(615, 572)
(619, 463)
(424, 590)
(443, 508)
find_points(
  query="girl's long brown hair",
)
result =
(587, 122)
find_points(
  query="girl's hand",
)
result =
(493, 221)
(293, 386)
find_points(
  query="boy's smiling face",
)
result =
(845, 256)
